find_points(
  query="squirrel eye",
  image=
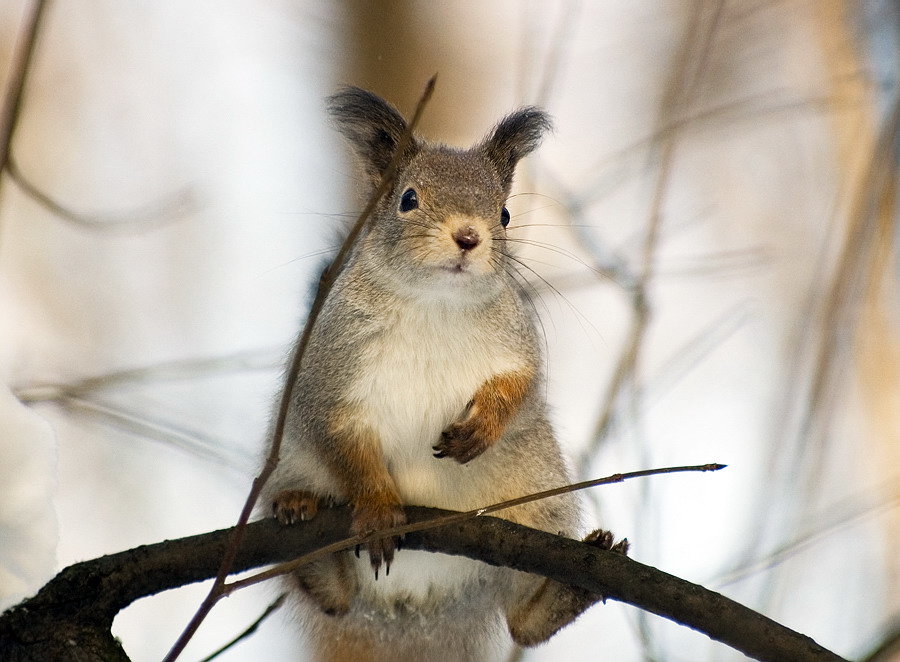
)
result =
(504, 217)
(409, 200)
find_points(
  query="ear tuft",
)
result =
(516, 135)
(371, 124)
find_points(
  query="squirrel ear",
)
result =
(371, 124)
(515, 136)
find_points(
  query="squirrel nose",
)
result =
(466, 238)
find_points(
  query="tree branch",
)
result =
(71, 616)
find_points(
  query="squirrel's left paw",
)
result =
(463, 441)
(603, 539)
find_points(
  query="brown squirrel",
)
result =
(421, 384)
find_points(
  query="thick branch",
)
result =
(80, 603)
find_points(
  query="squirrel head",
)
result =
(442, 226)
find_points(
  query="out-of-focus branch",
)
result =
(271, 609)
(89, 397)
(687, 73)
(21, 64)
(160, 212)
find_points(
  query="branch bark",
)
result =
(71, 616)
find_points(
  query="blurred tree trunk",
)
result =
(393, 47)
(870, 184)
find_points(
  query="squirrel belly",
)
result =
(420, 373)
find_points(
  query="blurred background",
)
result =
(709, 234)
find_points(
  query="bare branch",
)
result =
(80, 603)
(411, 527)
(165, 371)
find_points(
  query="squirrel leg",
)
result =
(537, 616)
(490, 410)
(330, 582)
(366, 483)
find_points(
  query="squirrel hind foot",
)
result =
(290, 506)
(603, 539)
(376, 517)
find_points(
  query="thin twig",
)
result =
(250, 630)
(325, 285)
(22, 60)
(396, 531)
(10, 112)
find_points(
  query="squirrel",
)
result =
(422, 385)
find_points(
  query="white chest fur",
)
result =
(418, 376)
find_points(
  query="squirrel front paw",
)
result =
(603, 539)
(463, 440)
(370, 518)
(291, 506)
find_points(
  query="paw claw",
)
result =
(366, 521)
(290, 506)
(462, 441)
(603, 539)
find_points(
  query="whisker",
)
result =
(521, 288)
(517, 226)
(560, 251)
(306, 256)
(578, 314)
(538, 195)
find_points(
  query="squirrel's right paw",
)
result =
(367, 519)
(463, 441)
(291, 506)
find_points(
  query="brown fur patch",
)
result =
(492, 407)
(357, 461)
